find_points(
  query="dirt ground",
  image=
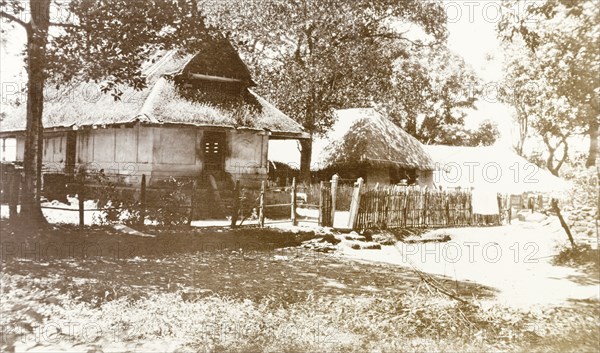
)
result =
(515, 260)
(253, 290)
(264, 262)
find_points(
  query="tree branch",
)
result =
(385, 35)
(64, 25)
(14, 19)
(399, 37)
(565, 153)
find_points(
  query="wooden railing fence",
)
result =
(377, 206)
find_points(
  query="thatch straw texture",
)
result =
(365, 136)
(167, 99)
(494, 168)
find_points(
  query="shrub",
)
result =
(582, 255)
(119, 205)
(165, 205)
(170, 206)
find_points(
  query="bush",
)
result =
(167, 205)
(584, 192)
(119, 205)
(582, 255)
(170, 207)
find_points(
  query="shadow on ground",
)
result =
(101, 264)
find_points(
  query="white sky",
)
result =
(472, 34)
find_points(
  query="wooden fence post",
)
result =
(261, 210)
(446, 201)
(293, 210)
(355, 203)
(500, 209)
(424, 205)
(321, 203)
(192, 201)
(236, 204)
(81, 198)
(564, 224)
(143, 200)
(14, 186)
(334, 183)
(471, 215)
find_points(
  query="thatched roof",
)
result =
(494, 168)
(217, 57)
(166, 100)
(365, 136)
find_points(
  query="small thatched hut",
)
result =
(364, 143)
(197, 117)
(495, 168)
(489, 170)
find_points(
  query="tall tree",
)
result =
(95, 40)
(541, 110)
(431, 91)
(520, 90)
(561, 38)
(317, 56)
(37, 38)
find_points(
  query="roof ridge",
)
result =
(147, 107)
(159, 63)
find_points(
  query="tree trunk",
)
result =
(523, 121)
(553, 170)
(37, 37)
(593, 150)
(305, 160)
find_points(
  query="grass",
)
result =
(230, 292)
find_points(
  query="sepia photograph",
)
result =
(299, 176)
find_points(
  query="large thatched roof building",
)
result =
(208, 88)
(364, 143)
(197, 115)
(494, 168)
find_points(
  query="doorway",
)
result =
(214, 148)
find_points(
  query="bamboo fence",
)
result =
(413, 207)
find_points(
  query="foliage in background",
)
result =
(582, 202)
(552, 65)
(585, 180)
(431, 90)
(312, 57)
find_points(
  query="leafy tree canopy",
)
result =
(316, 56)
(430, 93)
(552, 66)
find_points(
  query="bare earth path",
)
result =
(515, 260)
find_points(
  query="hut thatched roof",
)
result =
(217, 57)
(166, 100)
(365, 136)
(496, 168)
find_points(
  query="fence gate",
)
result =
(325, 203)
